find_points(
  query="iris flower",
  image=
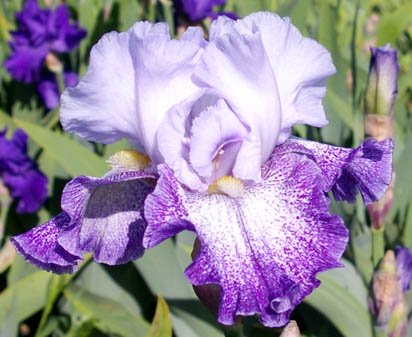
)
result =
(200, 9)
(20, 174)
(42, 32)
(214, 119)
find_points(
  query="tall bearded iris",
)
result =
(42, 33)
(215, 118)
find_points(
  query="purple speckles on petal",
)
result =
(367, 169)
(40, 247)
(103, 216)
(264, 249)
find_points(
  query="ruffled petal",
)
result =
(173, 142)
(102, 107)
(163, 69)
(264, 249)
(237, 68)
(300, 65)
(367, 169)
(106, 216)
(39, 246)
(217, 135)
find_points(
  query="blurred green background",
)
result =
(125, 300)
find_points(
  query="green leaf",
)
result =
(25, 297)
(391, 25)
(111, 316)
(162, 324)
(105, 282)
(73, 157)
(342, 298)
(160, 268)
(56, 285)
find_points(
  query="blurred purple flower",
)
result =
(42, 32)
(404, 267)
(20, 174)
(197, 10)
(215, 118)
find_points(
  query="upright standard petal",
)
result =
(367, 169)
(263, 249)
(300, 65)
(102, 107)
(217, 135)
(163, 70)
(236, 68)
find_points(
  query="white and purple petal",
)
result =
(163, 69)
(106, 216)
(345, 171)
(119, 95)
(264, 249)
(217, 135)
(236, 68)
(300, 65)
(103, 216)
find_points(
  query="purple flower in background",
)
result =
(404, 267)
(20, 174)
(215, 119)
(200, 9)
(42, 33)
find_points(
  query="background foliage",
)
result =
(150, 296)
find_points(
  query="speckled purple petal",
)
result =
(367, 169)
(263, 249)
(106, 216)
(39, 246)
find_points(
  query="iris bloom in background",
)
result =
(197, 10)
(211, 125)
(20, 174)
(41, 35)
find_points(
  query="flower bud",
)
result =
(53, 63)
(389, 289)
(382, 81)
(291, 330)
(385, 289)
(379, 100)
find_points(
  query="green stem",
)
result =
(168, 15)
(5, 202)
(55, 288)
(151, 15)
(379, 332)
(52, 118)
(378, 245)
